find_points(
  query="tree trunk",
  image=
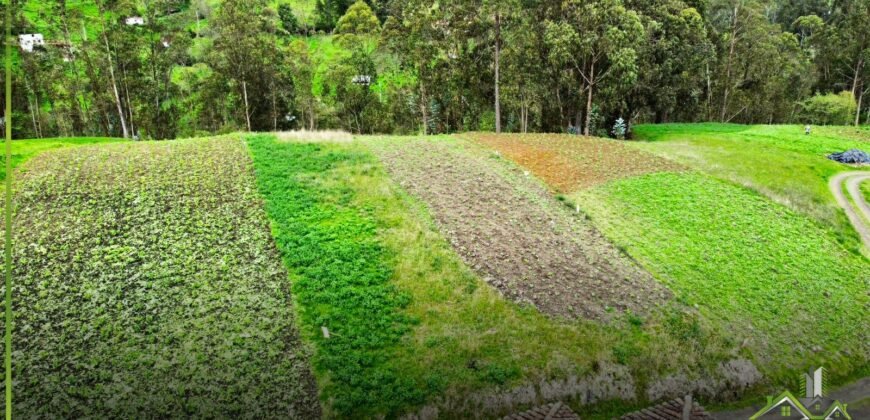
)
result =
(727, 82)
(79, 125)
(112, 77)
(424, 109)
(34, 109)
(497, 58)
(856, 80)
(524, 116)
(247, 111)
(589, 100)
(33, 119)
(858, 111)
(274, 110)
(117, 95)
(129, 101)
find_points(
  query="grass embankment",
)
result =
(410, 324)
(24, 150)
(780, 162)
(775, 280)
(147, 284)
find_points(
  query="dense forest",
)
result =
(157, 69)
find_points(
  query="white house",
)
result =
(134, 21)
(30, 41)
(362, 79)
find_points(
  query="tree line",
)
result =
(192, 67)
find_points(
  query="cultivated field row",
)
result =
(250, 276)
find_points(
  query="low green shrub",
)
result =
(830, 109)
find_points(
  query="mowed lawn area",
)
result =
(779, 162)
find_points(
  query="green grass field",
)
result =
(24, 150)
(779, 283)
(779, 162)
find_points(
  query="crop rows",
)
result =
(147, 285)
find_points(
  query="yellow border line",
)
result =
(8, 208)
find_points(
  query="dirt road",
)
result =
(857, 210)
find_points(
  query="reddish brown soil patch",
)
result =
(515, 235)
(570, 163)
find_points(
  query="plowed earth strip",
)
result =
(512, 232)
(572, 163)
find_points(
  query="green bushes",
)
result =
(830, 109)
(340, 275)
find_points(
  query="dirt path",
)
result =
(859, 212)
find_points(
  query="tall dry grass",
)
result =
(318, 136)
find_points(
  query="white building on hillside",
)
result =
(30, 41)
(134, 21)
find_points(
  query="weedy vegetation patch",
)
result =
(340, 274)
(147, 284)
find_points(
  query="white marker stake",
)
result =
(325, 332)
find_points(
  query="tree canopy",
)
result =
(198, 66)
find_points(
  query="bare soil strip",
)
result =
(571, 163)
(509, 229)
(859, 213)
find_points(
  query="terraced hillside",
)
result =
(409, 276)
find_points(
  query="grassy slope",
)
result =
(770, 276)
(24, 150)
(779, 162)
(444, 332)
(147, 282)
